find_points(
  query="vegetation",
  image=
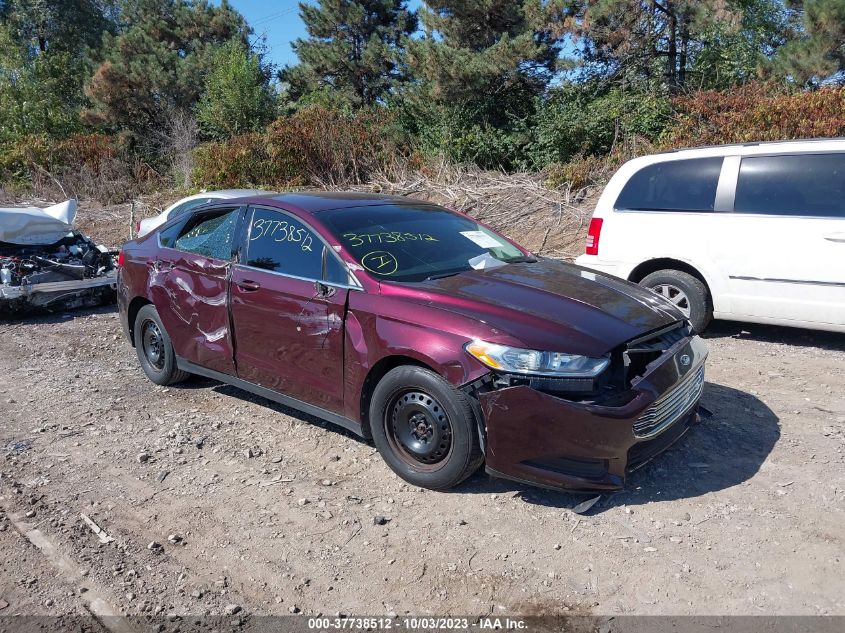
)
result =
(178, 91)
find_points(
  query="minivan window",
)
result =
(211, 236)
(801, 185)
(281, 243)
(676, 185)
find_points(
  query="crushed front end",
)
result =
(45, 264)
(588, 434)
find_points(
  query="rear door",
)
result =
(784, 245)
(189, 284)
(288, 306)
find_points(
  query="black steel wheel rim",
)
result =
(419, 429)
(153, 343)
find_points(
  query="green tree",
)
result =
(158, 61)
(44, 48)
(817, 51)
(676, 43)
(483, 47)
(237, 95)
(354, 53)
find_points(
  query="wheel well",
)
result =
(134, 307)
(653, 265)
(376, 373)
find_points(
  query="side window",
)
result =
(801, 185)
(283, 244)
(335, 272)
(211, 236)
(675, 185)
(167, 237)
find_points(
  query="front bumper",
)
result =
(540, 439)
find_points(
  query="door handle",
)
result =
(248, 285)
(835, 237)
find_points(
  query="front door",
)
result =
(189, 283)
(288, 329)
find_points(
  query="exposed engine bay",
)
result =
(46, 264)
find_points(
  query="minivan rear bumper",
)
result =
(544, 440)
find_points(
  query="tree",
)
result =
(817, 51)
(474, 48)
(353, 55)
(237, 95)
(670, 41)
(44, 48)
(158, 61)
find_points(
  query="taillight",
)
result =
(137, 228)
(593, 236)
(120, 259)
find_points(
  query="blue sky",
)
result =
(279, 22)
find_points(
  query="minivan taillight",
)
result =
(120, 259)
(593, 236)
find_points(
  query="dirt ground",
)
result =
(219, 502)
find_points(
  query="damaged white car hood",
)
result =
(30, 226)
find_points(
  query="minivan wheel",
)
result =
(688, 293)
(424, 428)
(155, 352)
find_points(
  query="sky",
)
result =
(279, 23)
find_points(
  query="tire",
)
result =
(409, 409)
(688, 293)
(156, 355)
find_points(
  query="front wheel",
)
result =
(688, 293)
(424, 428)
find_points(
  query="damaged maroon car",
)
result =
(443, 341)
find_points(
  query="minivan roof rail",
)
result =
(756, 143)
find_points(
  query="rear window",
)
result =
(678, 185)
(811, 185)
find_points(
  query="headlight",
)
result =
(527, 361)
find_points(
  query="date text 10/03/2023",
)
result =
(417, 623)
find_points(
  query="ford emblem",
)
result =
(685, 360)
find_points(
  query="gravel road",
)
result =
(218, 500)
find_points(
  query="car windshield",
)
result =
(411, 242)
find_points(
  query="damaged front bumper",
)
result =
(541, 439)
(45, 294)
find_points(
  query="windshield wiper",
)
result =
(522, 260)
(443, 275)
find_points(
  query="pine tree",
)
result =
(818, 53)
(473, 48)
(237, 96)
(158, 61)
(660, 41)
(354, 53)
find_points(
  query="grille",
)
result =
(671, 406)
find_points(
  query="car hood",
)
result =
(34, 226)
(551, 305)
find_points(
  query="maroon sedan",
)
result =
(418, 327)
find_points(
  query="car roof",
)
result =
(316, 201)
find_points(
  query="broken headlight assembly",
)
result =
(532, 362)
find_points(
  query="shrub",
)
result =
(92, 165)
(756, 112)
(315, 146)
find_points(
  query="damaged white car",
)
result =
(46, 264)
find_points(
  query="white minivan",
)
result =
(752, 232)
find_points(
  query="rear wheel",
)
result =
(155, 352)
(688, 293)
(424, 428)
